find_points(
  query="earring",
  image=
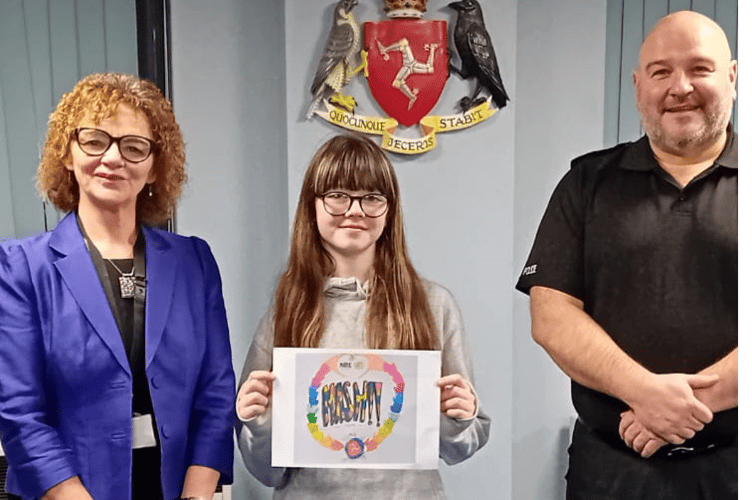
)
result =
(150, 193)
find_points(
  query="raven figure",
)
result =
(477, 55)
(337, 64)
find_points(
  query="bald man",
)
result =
(633, 283)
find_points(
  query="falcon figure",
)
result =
(473, 44)
(338, 62)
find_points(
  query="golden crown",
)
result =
(405, 8)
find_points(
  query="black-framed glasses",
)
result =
(338, 203)
(95, 142)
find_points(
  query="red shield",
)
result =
(407, 66)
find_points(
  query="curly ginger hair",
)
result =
(95, 98)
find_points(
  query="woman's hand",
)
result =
(254, 394)
(457, 399)
(200, 482)
(70, 489)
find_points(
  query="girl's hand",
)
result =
(254, 394)
(457, 399)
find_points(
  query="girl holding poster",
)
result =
(349, 283)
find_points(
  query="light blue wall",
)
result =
(560, 82)
(458, 213)
(471, 205)
(228, 82)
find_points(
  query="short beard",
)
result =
(714, 125)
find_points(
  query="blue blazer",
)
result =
(65, 381)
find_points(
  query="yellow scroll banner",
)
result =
(386, 127)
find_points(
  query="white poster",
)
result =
(339, 408)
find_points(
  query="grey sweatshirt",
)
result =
(345, 313)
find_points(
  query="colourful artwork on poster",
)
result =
(361, 409)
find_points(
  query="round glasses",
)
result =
(95, 142)
(338, 203)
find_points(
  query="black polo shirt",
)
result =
(654, 264)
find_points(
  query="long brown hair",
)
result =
(398, 314)
(97, 97)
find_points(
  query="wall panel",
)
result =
(46, 46)
(628, 23)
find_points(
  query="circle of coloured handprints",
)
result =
(355, 447)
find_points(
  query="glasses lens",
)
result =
(373, 205)
(336, 203)
(134, 148)
(93, 142)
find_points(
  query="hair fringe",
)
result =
(398, 315)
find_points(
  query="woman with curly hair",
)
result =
(117, 376)
(349, 284)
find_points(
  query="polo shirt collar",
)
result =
(729, 157)
(641, 157)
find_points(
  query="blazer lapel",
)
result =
(160, 278)
(79, 274)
